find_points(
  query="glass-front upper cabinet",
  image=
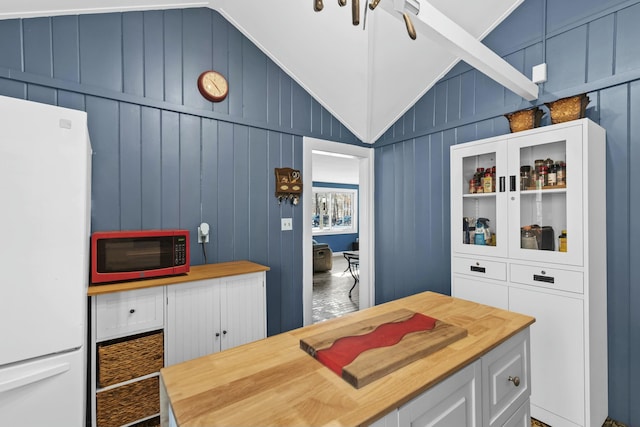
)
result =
(521, 195)
(545, 204)
(478, 197)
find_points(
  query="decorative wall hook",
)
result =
(288, 185)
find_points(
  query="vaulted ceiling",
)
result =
(367, 75)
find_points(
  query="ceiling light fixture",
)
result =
(405, 7)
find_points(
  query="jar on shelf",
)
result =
(542, 178)
(561, 173)
(472, 185)
(552, 176)
(525, 177)
(528, 239)
(487, 182)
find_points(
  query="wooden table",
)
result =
(274, 382)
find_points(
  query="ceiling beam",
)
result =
(432, 23)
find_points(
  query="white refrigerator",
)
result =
(45, 184)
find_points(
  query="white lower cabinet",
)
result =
(492, 391)
(212, 315)
(135, 333)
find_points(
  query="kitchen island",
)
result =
(274, 382)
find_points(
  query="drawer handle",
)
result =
(515, 380)
(478, 269)
(546, 279)
(133, 310)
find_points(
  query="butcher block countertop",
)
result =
(198, 272)
(274, 382)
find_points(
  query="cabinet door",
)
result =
(455, 402)
(485, 292)
(556, 205)
(193, 320)
(470, 203)
(557, 353)
(243, 310)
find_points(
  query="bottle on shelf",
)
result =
(563, 241)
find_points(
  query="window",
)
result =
(334, 210)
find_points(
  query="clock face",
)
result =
(213, 86)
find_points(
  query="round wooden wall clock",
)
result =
(213, 86)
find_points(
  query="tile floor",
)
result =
(331, 291)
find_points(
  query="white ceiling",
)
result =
(366, 79)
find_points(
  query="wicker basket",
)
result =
(524, 119)
(566, 109)
(128, 403)
(120, 361)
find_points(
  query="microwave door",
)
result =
(135, 254)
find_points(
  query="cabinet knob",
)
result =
(217, 334)
(133, 310)
(515, 380)
(224, 332)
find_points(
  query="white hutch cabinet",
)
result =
(521, 269)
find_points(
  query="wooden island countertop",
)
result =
(273, 382)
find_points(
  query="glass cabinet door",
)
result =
(545, 196)
(478, 196)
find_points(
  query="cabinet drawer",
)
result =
(123, 360)
(505, 379)
(480, 268)
(128, 403)
(129, 312)
(564, 280)
(521, 418)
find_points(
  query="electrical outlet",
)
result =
(203, 233)
(286, 224)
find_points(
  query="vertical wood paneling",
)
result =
(101, 50)
(11, 44)
(254, 82)
(234, 54)
(226, 191)
(241, 203)
(103, 117)
(384, 201)
(151, 171)
(441, 103)
(424, 225)
(566, 60)
(173, 56)
(273, 95)
(220, 54)
(489, 94)
(197, 54)
(41, 94)
(437, 257)
(170, 183)
(71, 100)
(516, 60)
(209, 186)
(153, 55)
(275, 306)
(190, 204)
(600, 48)
(453, 99)
(259, 177)
(627, 46)
(407, 226)
(301, 107)
(133, 53)
(66, 45)
(634, 254)
(285, 103)
(467, 94)
(130, 161)
(37, 46)
(527, 18)
(613, 117)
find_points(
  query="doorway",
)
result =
(364, 158)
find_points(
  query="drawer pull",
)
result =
(546, 279)
(515, 380)
(478, 269)
(132, 311)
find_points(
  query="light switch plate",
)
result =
(287, 224)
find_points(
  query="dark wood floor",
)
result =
(331, 292)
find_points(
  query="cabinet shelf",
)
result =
(478, 195)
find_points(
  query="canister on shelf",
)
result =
(525, 176)
(487, 183)
(561, 173)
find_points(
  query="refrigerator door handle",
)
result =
(32, 377)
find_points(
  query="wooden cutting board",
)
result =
(375, 363)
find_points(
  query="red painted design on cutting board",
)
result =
(345, 350)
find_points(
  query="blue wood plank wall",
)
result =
(589, 46)
(164, 157)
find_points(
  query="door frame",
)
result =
(365, 221)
